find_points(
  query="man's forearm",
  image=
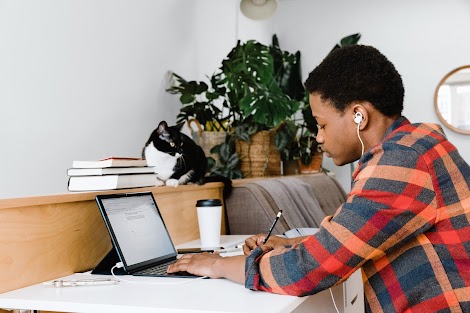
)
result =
(232, 268)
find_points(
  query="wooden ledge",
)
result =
(85, 196)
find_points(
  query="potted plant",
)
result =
(242, 98)
(265, 108)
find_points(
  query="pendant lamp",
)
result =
(258, 9)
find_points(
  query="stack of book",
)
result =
(110, 173)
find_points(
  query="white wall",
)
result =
(86, 79)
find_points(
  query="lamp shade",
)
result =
(258, 9)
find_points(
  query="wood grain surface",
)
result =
(46, 237)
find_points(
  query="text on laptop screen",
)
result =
(138, 228)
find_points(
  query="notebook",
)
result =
(138, 233)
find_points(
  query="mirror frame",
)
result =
(436, 107)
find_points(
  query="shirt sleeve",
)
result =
(391, 202)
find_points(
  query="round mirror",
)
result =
(452, 100)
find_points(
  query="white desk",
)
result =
(156, 295)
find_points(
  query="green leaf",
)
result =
(306, 159)
(233, 162)
(215, 149)
(268, 108)
(287, 71)
(347, 41)
(350, 40)
(252, 129)
(310, 121)
(226, 151)
(247, 65)
(187, 98)
(282, 140)
(243, 136)
(211, 163)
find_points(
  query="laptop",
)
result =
(139, 235)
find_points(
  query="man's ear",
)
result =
(359, 114)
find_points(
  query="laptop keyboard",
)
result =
(158, 269)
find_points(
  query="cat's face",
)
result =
(168, 139)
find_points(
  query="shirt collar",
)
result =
(399, 122)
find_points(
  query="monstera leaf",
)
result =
(248, 73)
(247, 65)
(267, 107)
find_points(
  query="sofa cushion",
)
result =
(304, 199)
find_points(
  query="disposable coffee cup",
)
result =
(209, 216)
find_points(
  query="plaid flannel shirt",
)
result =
(406, 224)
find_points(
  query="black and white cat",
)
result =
(176, 158)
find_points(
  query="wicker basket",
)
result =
(207, 140)
(259, 158)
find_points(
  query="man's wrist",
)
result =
(295, 240)
(232, 268)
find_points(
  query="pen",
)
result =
(227, 250)
(272, 226)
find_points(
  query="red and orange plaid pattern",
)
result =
(406, 224)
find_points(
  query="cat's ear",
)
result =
(162, 127)
(180, 125)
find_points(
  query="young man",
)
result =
(406, 222)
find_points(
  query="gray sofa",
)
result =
(304, 199)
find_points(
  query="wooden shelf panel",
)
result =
(46, 237)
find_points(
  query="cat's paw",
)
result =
(172, 182)
(159, 182)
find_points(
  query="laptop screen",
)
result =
(136, 228)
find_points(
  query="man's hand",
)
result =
(202, 264)
(257, 240)
(211, 265)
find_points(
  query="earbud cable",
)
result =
(334, 302)
(359, 136)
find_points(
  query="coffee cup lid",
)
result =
(209, 202)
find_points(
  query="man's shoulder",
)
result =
(420, 137)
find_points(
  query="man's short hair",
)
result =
(358, 73)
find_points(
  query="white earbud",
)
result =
(358, 117)
(358, 120)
